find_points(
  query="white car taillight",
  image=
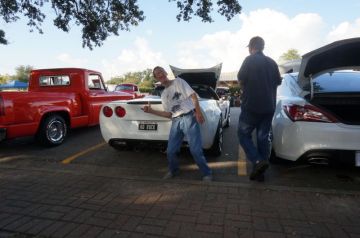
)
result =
(120, 111)
(307, 113)
(107, 111)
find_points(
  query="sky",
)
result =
(160, 39)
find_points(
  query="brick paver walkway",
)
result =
(66, 204)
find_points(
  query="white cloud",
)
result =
(139, 57)
(344, 30)
(66, 60)
(281, 33)
(303, 32)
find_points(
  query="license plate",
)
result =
(147, 126)
(357, 158)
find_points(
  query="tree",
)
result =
(291, 54)
(22, 73)
(102, 18)
(4, 79)
(142, 78)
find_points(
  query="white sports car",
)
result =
(317, 117)
(124, 125)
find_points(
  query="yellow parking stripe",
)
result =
(73, 157)
(242, 164)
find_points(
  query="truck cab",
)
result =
(57, 100)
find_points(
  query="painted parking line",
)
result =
(12, 158)
(242, 163)
(75, 156)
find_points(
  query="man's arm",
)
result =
(149, 109)
(243, 72)
(198, 114)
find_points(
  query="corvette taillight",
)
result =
(307, 113)
(120, 111)
(107, 111)
(2, 106)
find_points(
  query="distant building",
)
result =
(290, 66)
(228, 79)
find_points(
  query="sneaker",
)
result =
(170, 175)
(260, 178)
(259, 169)
(207, 178)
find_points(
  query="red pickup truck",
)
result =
(56, 101)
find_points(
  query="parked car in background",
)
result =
(317, 116)
(124, 125)
(129, 88)
(223, 92)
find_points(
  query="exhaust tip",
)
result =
(319, 160)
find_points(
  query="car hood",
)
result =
(204, 76)
(343, 54)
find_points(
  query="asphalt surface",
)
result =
(103, 192)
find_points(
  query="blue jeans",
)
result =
(181, 126)
(248, 122)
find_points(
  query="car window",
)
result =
(289, 86)
(340, 81)
(222, 91)
(56, 80)
(124, 87)
(205, 92)
(95, 82)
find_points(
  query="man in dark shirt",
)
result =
(259, 77)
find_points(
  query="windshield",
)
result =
(124, 88)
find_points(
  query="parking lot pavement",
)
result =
(53, 202)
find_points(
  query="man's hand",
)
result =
(147, 108)
(199, 117)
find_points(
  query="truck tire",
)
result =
(216, 148)
(52, 131)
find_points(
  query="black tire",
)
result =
(216, 147)
(52, 131)
(227, 124)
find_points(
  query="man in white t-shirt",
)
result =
(181, 104)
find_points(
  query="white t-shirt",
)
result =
(176, 97)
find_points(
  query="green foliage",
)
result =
(101, 18)
(234, 90)
(291, 54)
(141, 78)
(22, 73)
(203, 8)
(146, 89)
(4, 79)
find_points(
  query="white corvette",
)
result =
(124, 125)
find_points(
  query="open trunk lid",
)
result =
(343, 54)
(203, 76)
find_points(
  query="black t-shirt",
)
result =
(259, 76)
